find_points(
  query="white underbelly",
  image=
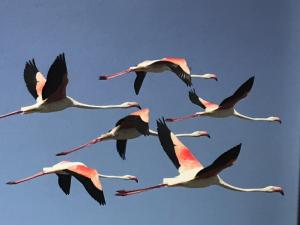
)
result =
(200, 183)
(190, 182)
(55, 106)
(124, 134)
(220, 113)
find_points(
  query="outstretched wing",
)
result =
(194, 98)
(90, 180)
(239, 94)
(134, 121)
(180, 62)
(177, 152)
(57, 80)
(140, 76)
(121, 147)
(64, 182)
(223, 161)
(34, 80)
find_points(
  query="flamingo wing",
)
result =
(64, 182)
(57, 80)
(223, 161)
(239, 94)
(194, 98)
(121, 147)
(90, 180)
(34, 79)
(177, 152)
(176, 67)
(185, 77)
(181, 62)
(134, 121)
(140, 76)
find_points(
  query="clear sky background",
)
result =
(234, 39)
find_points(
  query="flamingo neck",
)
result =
(187, 135)
(199, 76)
(193, 134)
(205, 76)
(113, 177)
(249, 118)
(222, 183)
(88, 106)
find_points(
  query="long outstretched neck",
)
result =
(176, 119)
(268, 119)
(222, 183)
(193, 134)
(205, 76)
(11, 114)
(88, 106)
(108, 77)
(94, 141)
(112, 176)
(27, 178)
(136, 191)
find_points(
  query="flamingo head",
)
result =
(274, 119)
(210, 76)
(200, 134)
(131, 104)
(130, 177)
(275, 189)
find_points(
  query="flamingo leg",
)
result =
(108, 77)
(27, 178)
(182, 118)
(11, 114)
(94, 141)
(136, 191)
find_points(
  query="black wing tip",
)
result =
(161, 122)
(250, 81)
(30, 64)
(101, 199)
(61, 58)
(136, 90)
(235, 151)
(123, 157)
(192, 92)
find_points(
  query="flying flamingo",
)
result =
(87, 176)
(129, 127)
(192, 174)
(178, 66)
(50, 94)
(226, 108)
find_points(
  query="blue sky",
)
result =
(234, 39)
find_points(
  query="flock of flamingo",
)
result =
(51, 96)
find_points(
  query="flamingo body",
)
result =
(178, 66)
(87, 176)
(129, 127)
(50, 94)
(192, 174)
(226, 107)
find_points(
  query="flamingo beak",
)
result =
(281, 192)
(139, 107)
(205, 134)
(11, 182)
(135, 179)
